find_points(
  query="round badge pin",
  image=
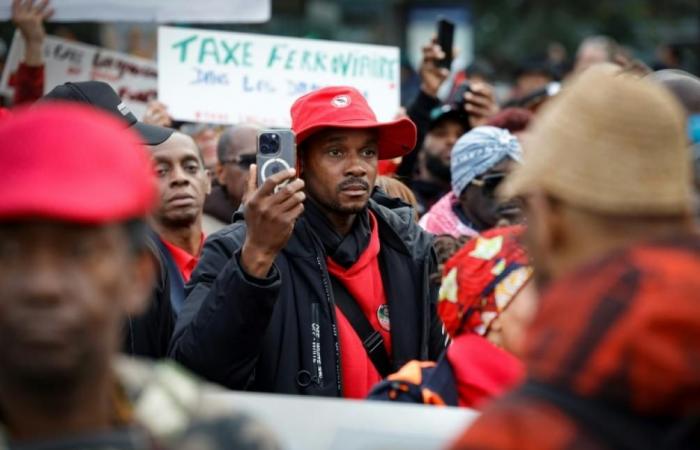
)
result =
(383, 317)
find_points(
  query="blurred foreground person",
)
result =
(148, 333)
(486, 302)
(481, 160)
(323, 289)
(75, 262)
(612, 354)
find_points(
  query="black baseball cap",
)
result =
(448, 112)
(101, 95)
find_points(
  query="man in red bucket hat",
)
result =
(323, 289)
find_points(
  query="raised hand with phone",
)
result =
(270, 216)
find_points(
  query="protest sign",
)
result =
(222, 77)
(134, 79)
(211, 11)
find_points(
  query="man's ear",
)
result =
(555, 224)
(142, 270)
(207, 180)
(219, 173)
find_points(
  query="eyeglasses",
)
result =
(489, 183)
(243, 161)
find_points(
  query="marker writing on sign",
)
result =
(347, 64)
(209, 77)
(213, 51)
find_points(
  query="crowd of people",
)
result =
(535, 263)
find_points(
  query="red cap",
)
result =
(72, 163)
(345, 107)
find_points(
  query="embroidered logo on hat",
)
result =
(341, 101)
(123, 109)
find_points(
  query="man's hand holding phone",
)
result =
(431, 74)
(480, 103)
(270, 215)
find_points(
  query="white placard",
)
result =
(222, 77)
(135, 79)
(211, 11)
(316, 423)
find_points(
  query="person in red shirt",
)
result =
(183, 184)
(323, 288)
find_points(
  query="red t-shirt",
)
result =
(184, 261)
(364, 282)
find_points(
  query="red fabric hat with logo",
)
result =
(72, 163)
(345, 107)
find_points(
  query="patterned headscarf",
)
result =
(478, 151)
(481, 279)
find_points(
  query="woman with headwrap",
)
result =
(480, 160)
(486, 302)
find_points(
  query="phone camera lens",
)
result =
(269, 143)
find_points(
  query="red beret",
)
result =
(72, 163)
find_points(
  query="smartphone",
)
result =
(445, 39)
(276, 152)
(457, 98)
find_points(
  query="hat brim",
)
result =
(396, 138)
(152, 134)
(450, 114)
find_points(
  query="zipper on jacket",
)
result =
(334, 322)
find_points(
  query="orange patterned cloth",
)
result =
(621, 335)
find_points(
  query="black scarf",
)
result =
(344, 250)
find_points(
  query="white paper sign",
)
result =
(221, 77)
(135, 79)
(212, 11)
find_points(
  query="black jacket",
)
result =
(148, 334)
(261, 334)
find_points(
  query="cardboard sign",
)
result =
(134, 79)
(210, 11)
(221, 77)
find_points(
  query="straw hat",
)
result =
(611, 144)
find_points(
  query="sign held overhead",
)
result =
(210, 11)
(224, 77)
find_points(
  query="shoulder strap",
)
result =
(371, 339)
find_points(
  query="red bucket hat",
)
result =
(345, 107)
(72, 163)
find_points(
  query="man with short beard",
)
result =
(324, 288)
(182, 186)
(432, 180)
